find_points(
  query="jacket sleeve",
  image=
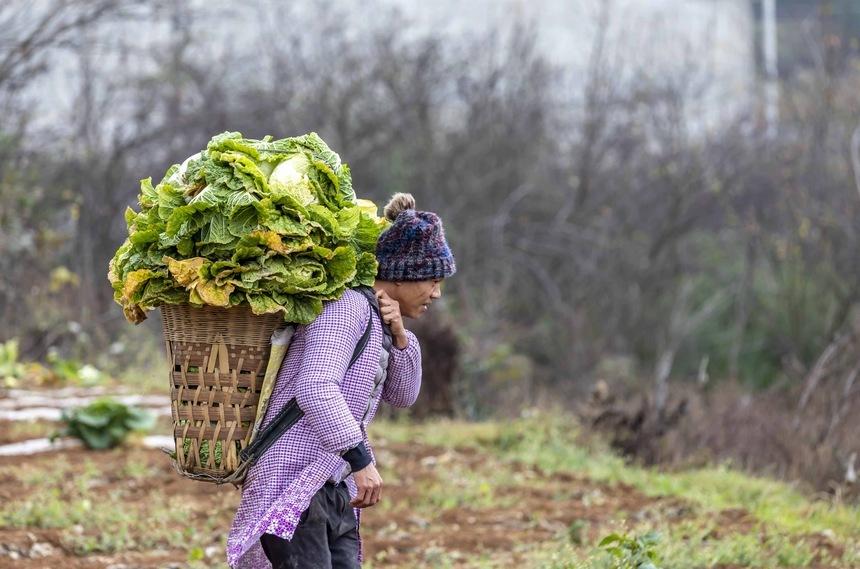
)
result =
(329, 343)
(404, 374)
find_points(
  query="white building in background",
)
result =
(656, 37)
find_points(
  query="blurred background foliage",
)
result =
(603, 228)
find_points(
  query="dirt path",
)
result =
(435, 506)
(504, 522)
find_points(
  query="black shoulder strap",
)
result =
(362, 342)
(370, 295)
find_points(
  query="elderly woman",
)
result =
(301, 503)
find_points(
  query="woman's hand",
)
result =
(369, 484)
(390, 311)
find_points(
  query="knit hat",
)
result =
(413, 248)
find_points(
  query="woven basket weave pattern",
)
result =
(218, 360)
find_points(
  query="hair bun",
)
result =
(398, 203)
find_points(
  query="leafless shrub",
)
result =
(767, 433)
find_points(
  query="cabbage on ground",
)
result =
(274, 224)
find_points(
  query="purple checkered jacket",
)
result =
(279, 487)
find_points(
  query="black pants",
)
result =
(326, 536)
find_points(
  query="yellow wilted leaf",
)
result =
(296, 246)
(211, 293)
(269, 238)
(274, 242)
(134, 314)
(133, 281)
(186, 271)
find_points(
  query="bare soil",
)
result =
(401, 534)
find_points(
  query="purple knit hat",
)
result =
(414, 247)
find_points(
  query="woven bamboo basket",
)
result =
(218, 359)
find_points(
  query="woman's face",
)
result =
(415, 297)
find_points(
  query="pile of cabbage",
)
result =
(274, 224)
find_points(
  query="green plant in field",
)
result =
(631, 552)
(196, 554)
(11, 371)
(74, 372)
(137, 469)
(105, 423)
(576, 531)
(83, 514)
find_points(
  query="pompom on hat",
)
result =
(413, 248)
